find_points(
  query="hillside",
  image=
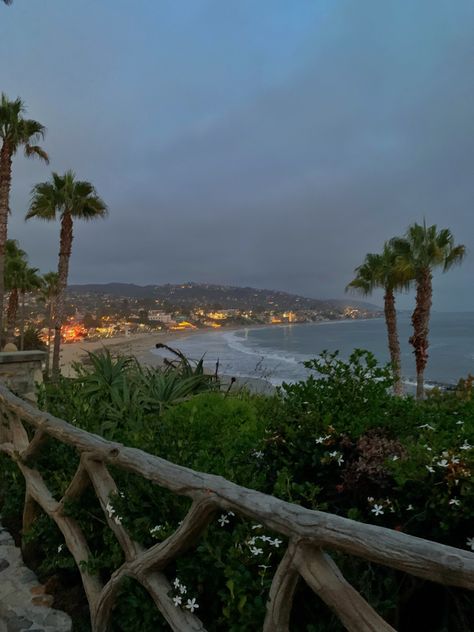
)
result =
(223, 296)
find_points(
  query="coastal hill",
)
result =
(225, 296)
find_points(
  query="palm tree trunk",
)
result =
(5, 184)
(22, 321)
(63, 270)
(420, 320)
(12, 310)
(393, 341)
(50, 326)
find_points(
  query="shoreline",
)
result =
(137, 345)
(140, 345)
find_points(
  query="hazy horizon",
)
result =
(268, 144)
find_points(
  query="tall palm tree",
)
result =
(70, 199)
(15, 132)
(418, 252)
(29, 282)
(380, 271)
(49, 294)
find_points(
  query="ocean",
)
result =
(276, 353)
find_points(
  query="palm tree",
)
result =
(15, 132)
(49, 294)
(422, 249)
(15, 264)
(70, 199)
(380, 271)
(29, 282)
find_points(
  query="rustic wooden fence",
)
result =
(308, 532)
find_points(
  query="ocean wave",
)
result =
(233, 342)
(428, 385)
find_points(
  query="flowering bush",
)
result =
(341, 444)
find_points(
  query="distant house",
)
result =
(156, 315)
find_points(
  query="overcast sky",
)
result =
(269, 143)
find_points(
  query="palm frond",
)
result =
(64, 194)
(36, 150)
(425, 247)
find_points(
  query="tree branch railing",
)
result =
(309, 532)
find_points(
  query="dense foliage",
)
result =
(341, 444)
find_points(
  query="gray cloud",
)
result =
(283, 177)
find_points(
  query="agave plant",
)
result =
(186, 367)
(122, 390)
(168, 387)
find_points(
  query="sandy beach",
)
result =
(140, 346)
(137, 345)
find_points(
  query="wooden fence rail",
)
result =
(309, 532)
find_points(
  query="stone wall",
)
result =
(24, 603)
(21, 370)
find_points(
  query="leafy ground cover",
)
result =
(340, 444)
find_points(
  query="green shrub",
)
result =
(341, 444)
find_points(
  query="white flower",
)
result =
(395, 457)
(60, 548)
(370, 499)
(276, 543)
(252, 541)
(230, 513)
(454, 460)
(455, 501)
(118, 519)
(182, 589)
(154, 532)
(192, 605)
(255, 550)
(256, 526)
(410, 508)
(264, 566)
(223, 520)
(176, 583)
(323, 438)
(466, 446)
(470, 543)
(377, 510)
(109, 509)
(334, 454)
(426, 426)
(340, 460)
(460, 423)
(258, 454)
(429, 468)
(177, 600)
(442, 463)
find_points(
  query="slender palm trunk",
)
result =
(393, 341)
(63, 270)
(5, 184)
(50, 327)
(420, 320)
(12, 310)
(22, 321)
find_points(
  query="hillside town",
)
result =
(94, 315)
